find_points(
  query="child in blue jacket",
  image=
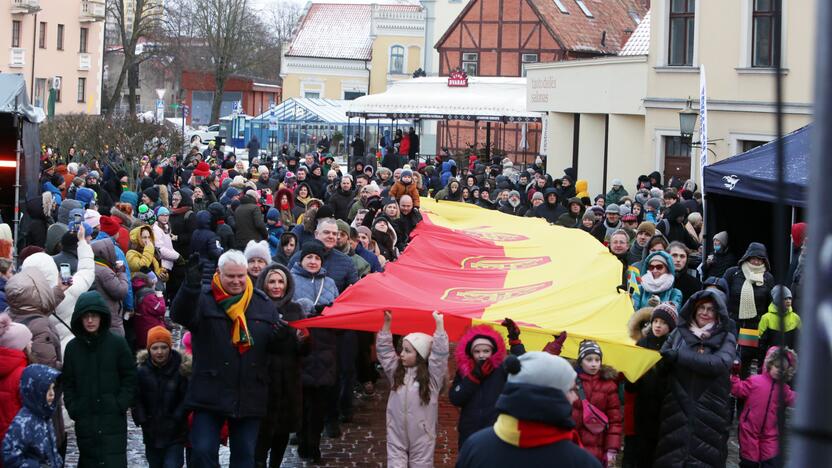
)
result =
(31, 440)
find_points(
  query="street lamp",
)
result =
(687, 122)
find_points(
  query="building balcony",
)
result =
(84, 62)
(17, 57)
(92, 10)
(24, 7)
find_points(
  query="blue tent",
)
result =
(753, 174)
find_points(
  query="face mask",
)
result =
(717, 248)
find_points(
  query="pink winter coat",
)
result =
(150, 309)
(411, 426)
(164, 244)
(758, 421)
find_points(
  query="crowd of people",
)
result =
(112, 265)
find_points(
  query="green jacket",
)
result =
(99, 381)
(769, 329)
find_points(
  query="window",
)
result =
(42, 36)
(60, 37)
(748, 145)
(83, 46)
(762, 43)
(529, 58)
(350, 95)
(82, 89)
(682, 14)
(15, 33)
(40, 92)
(676, 147)
(470, 63)
(583, 8)
(58, 91)
(560, 6)
(676, 157)
(397, 59)
(312, 95)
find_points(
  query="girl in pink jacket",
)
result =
(416, 376)
(758, 421)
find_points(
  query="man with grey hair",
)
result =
(233, 326)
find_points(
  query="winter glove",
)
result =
(513, 331)
(653, 301)
(193, 275)
(735, 369)
(556, 346)
(670, 355)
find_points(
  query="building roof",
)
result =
(485, 98)
(605, 32)
(309, 110)
(639, 42)
(340, 30)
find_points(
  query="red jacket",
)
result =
(601, 390)
(12, 363)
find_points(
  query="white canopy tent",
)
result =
(493, 99)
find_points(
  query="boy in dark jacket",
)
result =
(160, 405)
(30, 440)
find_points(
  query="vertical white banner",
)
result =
(703, 126)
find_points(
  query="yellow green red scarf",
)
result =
(235, 307)
(525, 434)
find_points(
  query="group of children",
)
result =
(417, 373)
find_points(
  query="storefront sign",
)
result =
(458, 79)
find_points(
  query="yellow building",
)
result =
(348, 49)
(624, 110)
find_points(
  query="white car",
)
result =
(204, 135)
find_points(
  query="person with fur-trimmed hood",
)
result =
(480, 378)
(597, 384)
(758, 432)
(159, 408)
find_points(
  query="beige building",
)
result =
(618, 117)
(54, 42)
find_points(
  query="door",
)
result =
(676, 158)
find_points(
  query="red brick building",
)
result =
(497, 37)
(198, 90)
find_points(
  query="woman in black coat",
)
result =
(284, 408)
(697, 358)
(747, 315)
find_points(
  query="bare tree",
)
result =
(281, 18)
(143, 22)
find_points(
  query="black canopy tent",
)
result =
(740, 192)
(19, 146)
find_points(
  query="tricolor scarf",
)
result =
(526, 434)
(101, 262)
(235, 307)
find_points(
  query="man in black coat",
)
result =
(550, 210)
(233, 325)
(341, 201)
(535, 427)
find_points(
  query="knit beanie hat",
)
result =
(537, 196)
(667, 312)
(779, 293)
(152, 193)
(146, 215)
(648, 227)
(162, 211)
(159, 334)
(109, 225)
(654, 203)
(364, 230)
(85, 196)
(421, 342)
(613, 208)
(92, 218)
(313, 246)
(478, 340)
(343, 226)
(273, 214)
(541, 369)
(406, 173)
(258, 250)
(13, 335)
(588, 347)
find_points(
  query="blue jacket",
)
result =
(3, 304)
(206, 243)
(642, 296)
(55, 191)
(370, 257)
(30, 440)
(337, 265)
(302, 235)
(128, 301)
(318, 289)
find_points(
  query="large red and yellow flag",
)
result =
(480, 266)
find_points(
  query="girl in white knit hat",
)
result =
(416, 376)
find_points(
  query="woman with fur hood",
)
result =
(480, 377)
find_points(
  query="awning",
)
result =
(485, 99)
(13, 98)
(753, 174)
(309, 110)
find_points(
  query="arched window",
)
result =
(397, 59)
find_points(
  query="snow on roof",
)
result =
(306, 110)
(485, 98)
(340, 30)
(639, 42)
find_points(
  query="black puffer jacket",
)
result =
(650, 390)
(224, 381)
(762, 294)
(549, 211)
(341, 202)
(250, 223)
(694, 415)
(160, 400)
(206, 243)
